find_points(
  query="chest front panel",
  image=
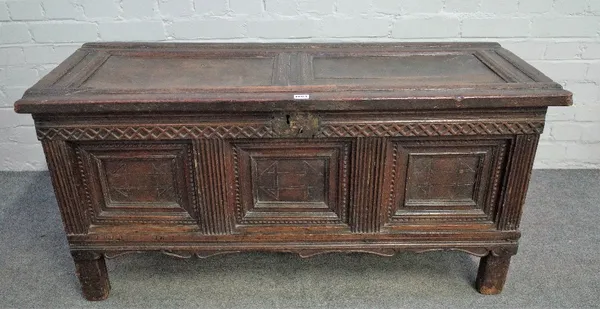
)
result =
(351, 174)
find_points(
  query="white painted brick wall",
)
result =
(535, 6)
(14, 33)
(63, 32)
(352, 7)
(139, 9)
(499, 7)
(4, 16)
(356, 27)
(94, 9)
(175, 8)
(280, 29)
(560, 37)
(495, 28)
(320, 7)
(206, 29)
(462, 6)
(62, 9)
(212, 7)
(594, 7)
(25, 10)
(417, 7)
(434, 27)
(245, 7)
(124, 30)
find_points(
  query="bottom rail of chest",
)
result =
(93, 275)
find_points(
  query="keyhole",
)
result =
(287, 119)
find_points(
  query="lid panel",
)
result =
(407, 69)
(176, 77)
(130, 72)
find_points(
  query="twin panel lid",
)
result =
(176, 77)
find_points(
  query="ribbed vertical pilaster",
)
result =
(209, 160)
(519, 172)
(62, 165)
(367, 177)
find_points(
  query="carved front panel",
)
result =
(138, 182)
(280, 181)
(443, 179)
(445, 182)
(291, 183)
(132, 182)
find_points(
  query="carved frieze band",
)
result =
(367, 176)
(154, 132)
(212, 186)
(519, 172)
(394, 129)
(431, 129)
(59, 157)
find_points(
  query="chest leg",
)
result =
(492, 273)
(93, 275)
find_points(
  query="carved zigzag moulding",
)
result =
(266, 131)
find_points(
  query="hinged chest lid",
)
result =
(130, 77)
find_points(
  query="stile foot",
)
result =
(91, 270)
(492, 274)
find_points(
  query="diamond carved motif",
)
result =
(446, 178)
(140, 181)
(290, 180)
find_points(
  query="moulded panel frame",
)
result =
(333, 210)
(478, 212)
(93, 157)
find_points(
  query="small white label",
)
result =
(301, 96)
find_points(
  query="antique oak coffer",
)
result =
(204, 149)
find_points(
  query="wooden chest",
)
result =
(204, 149)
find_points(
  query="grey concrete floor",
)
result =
(558, 265)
